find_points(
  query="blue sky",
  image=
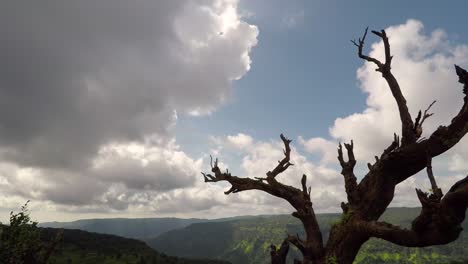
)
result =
(303, 76)
(111, 109)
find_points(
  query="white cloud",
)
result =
(109, 148)
(259, 157)
(293, 19)
(326, 148)
(423, 65)
(405, 194)
(458, 163)
(92, 75)
(240, 140)
(146, 167)
(120, 173)
(99, 93)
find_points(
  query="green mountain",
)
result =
(83, 247)
(139, 228)
(247, 240)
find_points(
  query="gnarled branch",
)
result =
(297, 242)
(284, 163)
(278, 256)
(419, 122)
(414, 158)
(360, 45)
(437, 192)
(348, 172)
(442, 227)
(299, 199)
(408, 134)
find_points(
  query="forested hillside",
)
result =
(81, 247)
(248, 240)
(238, 240)
(130, 228)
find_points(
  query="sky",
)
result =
(112, 108)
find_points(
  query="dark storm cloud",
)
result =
(67, 84)
(77, 76)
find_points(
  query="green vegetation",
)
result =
(83, 247)
(20, 241)
(343, 218)
(247, 240)
(332, 260)
(23, 242)
(139, 228)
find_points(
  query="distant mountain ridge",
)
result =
(138, 228)
(81, 247)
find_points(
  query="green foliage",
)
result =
(81, 247)
(20, 241)
(247, 241)
(23, 242)
(344, 218)
(332, 260)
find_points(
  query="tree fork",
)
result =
(441, 215)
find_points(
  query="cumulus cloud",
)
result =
(240, 140)
(325, 148)
(258, 157)
(140, 166)
(90, 91)
(405, 194)
(79, 75)
(423, 65)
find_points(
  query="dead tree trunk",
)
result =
(440, 217)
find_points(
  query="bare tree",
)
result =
(440, 217)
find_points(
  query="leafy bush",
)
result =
(20, 241)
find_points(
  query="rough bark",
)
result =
(441, 215)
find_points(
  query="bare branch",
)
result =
(388, 57)
(439, 221)
(278, 256)
(297, 242)
(393, 147)
(304, 185)
(406, 237)
(448, 136)
(299, 199)
(348, 172)
(413, 159)
(285, 162)
(360, 45)
(437, 192)
(408, 135)
(463, 78)
(440, 217)
(419, 122)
